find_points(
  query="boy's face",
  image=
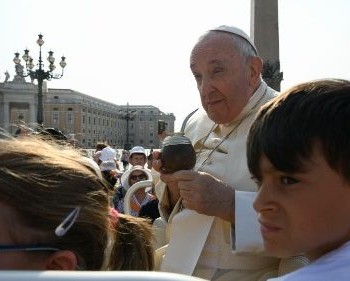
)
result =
(137, 159)
(306, 212)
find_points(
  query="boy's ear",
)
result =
(62, 260)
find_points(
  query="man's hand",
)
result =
(173, 190)
(199, 191)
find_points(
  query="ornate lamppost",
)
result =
(39, 73)
(128, 115)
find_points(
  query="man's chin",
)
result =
(216, 117)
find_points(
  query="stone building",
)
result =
(83, 118)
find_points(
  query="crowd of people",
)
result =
(267, 164)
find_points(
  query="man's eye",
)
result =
(196, 76)
(217, 70)
(288, 180)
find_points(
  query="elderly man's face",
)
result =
(223, 77)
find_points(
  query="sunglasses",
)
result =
(138, 177)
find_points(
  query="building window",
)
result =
(69, 109)
(55, 118)
(70, 118)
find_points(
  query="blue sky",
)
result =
(138, 51)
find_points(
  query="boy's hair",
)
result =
(287, 128)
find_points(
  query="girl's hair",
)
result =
(133, 247)
(44, 182)
(100, 146)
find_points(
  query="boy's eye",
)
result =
(288, 180)
(257, 181)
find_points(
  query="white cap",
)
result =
(236, 31)
(137, 149)
(108, 153)
(108, 165)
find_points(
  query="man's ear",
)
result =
(256, 65)
(62, 260)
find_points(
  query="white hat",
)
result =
(137, 149)
(93, 165)
(108, 153)
(108, 165)
(236, 31)
(125, 177)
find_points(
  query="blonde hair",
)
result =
(133, 248)
(44, 182)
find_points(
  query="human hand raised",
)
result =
(203, 193)
(173, 191)
(177, 154)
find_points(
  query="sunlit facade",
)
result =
(84, 118)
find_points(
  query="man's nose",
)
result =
(206, 87)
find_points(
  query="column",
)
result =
(6, 116)
(32, 113)
(264, 32)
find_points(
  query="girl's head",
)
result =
(41, 187)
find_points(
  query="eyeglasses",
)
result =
(141, 177)
(28, 248)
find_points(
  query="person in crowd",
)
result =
(149, 160)
(140, 197)
(108, 153)
(299, 154)
(56, 215)
(97, 154)
(125, 159)
(150, 210)
(137, 156)
(214, 233)
(104, 153)
(110, 173)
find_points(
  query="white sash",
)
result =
(189, 231)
